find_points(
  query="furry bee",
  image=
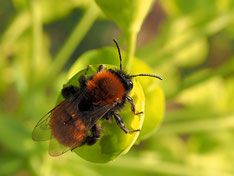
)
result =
(73, 122)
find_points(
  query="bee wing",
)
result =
(42, 131)
(56, 149)
(97, 113)
(87, 119)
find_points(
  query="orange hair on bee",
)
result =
(106, 87)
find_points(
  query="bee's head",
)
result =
(127, 79)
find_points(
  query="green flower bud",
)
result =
(128, 14)
(114, 141)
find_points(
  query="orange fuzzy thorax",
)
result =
(106, 87)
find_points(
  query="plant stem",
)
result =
(131, 46)
(206, 125)
(36, 39)
(75, 38)
(15, 30)
(159, 51)
(152, 165)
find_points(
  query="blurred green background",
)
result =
(189, 43)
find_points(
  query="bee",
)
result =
(74, 121)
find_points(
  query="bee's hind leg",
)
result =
(96, 132)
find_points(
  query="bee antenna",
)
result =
(147, 75)
(120, 57)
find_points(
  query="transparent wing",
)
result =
(42, 131)
(97, 113)
(86, 119)
(56, 149)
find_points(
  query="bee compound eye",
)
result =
(130, 85)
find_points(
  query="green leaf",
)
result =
(15, 137)
(179, 7)
(63, 8)
(129, 15)
(10, 164)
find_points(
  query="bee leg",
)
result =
(83, 78)
(133, 107)
(96, 134)
(69, 91)
(120, 123)
(108, 116)
(86, 71)
(101, 67)
(73, 149)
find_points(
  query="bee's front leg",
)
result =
(121, 124)
(133, 108)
